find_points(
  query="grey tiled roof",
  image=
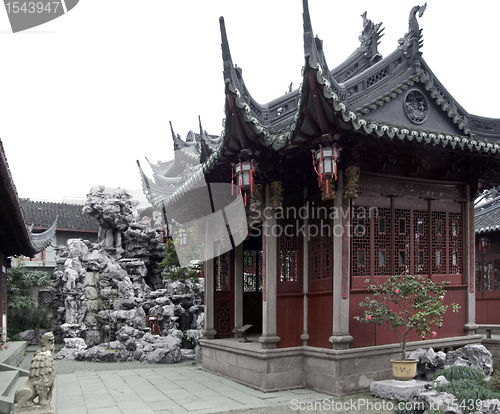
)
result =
(487, 216)
(41, 214)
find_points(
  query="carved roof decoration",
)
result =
(328, 103)
(16, 239)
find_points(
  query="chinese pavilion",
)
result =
(16, 238)
(366, 170)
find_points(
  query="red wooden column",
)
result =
(341, 338)
(269, 338)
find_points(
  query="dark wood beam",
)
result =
(242, 138)
(310, 118)
(325, 125)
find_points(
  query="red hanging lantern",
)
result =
(325, 163)
(244, 173)
(484, 242)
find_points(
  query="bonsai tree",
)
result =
(406, 302)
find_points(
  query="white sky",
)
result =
(85, 96)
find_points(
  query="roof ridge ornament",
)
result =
(370, 38)
(230, 70)
(412, 41)
(178, 142)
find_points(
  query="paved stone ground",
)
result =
(184, 389)
(135, 388)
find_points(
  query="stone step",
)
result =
(14, 354)
(10, 381)
(15, 386)
(7, 378)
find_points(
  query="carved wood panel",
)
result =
(361, 246)
(289, 254)
(421, 238)
(455, 236)
(320, 254)
(223, 298)
(372, 184)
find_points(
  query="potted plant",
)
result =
(406, 303)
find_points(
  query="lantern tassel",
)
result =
(232, 180)
(245, 199)
(251, 181)
(327, 186)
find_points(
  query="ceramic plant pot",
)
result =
(404, 370)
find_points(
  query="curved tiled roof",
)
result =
(41, 213)
(280, 132)
(487, 216)
(15, 237)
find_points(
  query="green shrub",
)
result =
(34, 318)
(458, 372)
(172, 268)
(468, 392)
(23, 314)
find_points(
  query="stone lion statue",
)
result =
(40, 382)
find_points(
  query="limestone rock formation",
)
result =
(428, 363)
(476, 356)
(106, 293)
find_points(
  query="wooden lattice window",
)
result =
(320, 249)
(455, 242)
(288, 251)
(479, 266)
(421, 240)
(45, 298)
(402, 239)
(361, 246)
(438, 242)
(223, 272)
(382, 240)
(252, 275)
(496, 276)
(487, 275)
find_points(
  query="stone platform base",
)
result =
(38, 409)
(333, 371)
(396, 390)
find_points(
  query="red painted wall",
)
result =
(290, 315)
(370, 334)
(320, 318)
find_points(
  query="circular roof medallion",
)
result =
(416, 106)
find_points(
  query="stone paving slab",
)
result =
(162, 390)
(174, 389)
